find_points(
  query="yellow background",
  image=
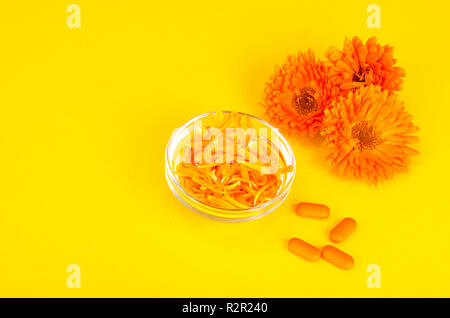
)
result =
(85, 115)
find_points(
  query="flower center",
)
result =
(304, 102)
(365, 135)
(359, 76)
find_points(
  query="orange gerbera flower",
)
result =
(298, 93)
(362, 64)
(371, 134)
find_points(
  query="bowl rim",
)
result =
(172, 177)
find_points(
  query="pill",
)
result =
(313, 210)
(304, 249)
(341, 231)
(337, 257)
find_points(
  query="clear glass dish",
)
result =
(222, 214)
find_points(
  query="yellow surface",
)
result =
(85, 115)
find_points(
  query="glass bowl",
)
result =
(224, 214)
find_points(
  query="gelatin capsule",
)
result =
(304, 249)
(341, 231)
(313, 210)
(337, 257)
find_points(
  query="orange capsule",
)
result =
(337, 257)
(341, 231)
(313, 210)
(303, 249)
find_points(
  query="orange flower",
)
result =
(362, 64)
(371, 134)
(298, 93)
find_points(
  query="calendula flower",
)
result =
(360, 64)
(297, 94)
(371, 134)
